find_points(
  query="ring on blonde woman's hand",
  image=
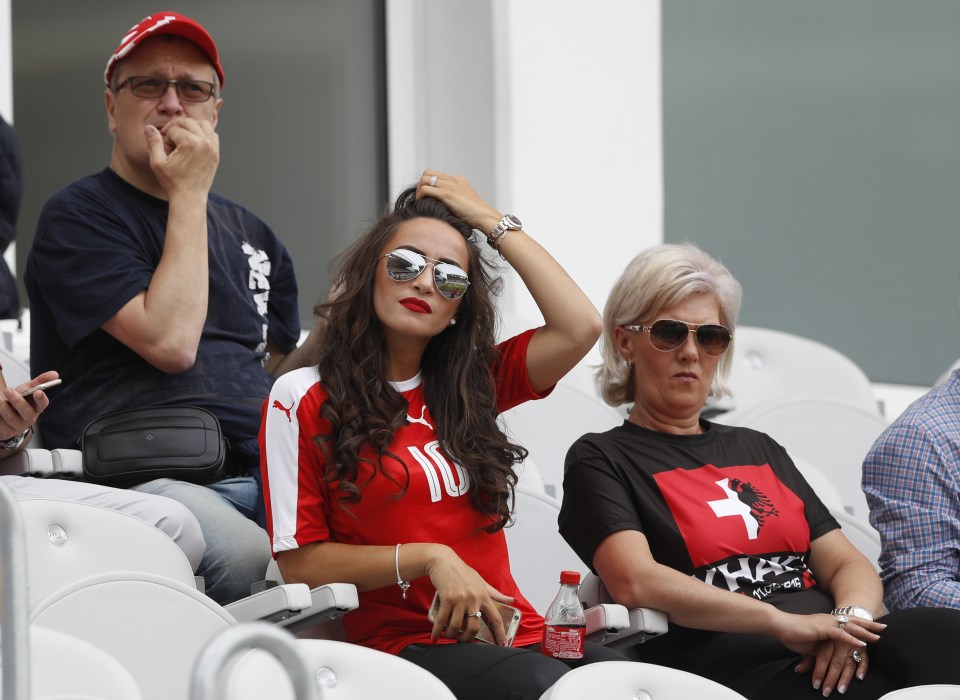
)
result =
(856, 656)
(843, 620)
(433, 180)
(476, 614)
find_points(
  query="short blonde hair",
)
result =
(657, 279)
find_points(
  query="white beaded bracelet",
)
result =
(404, 585)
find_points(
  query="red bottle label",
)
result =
(563, 641)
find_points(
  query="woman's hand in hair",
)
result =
(460, 198)
(463, 593)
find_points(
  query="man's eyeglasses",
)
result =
(667, 335)
(404, 265)
(152, 88)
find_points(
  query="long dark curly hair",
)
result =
(362, 408)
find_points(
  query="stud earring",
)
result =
(453, 321)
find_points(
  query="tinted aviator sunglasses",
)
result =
(668, 334)
(404, 265)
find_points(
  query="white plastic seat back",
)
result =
(925, 692)
(862, 535)
(833, 435)
(70, 541)
(63, 667)
(342, 670)
(547, 428)
(215, 668)
(154, 626)
(49, 663)
(635, 680)
(769, 365)
(820, 483)
(538, 553)
(529, 476)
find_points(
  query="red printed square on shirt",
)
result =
(734, 511)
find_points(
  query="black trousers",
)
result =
(488, 672)
(920, 646)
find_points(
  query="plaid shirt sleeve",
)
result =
(911, 478)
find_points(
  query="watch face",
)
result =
(512, 221)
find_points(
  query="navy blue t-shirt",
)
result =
(97, 245)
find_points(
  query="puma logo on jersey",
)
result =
(277, 404)
(421, 419)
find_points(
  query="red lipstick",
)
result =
(417, 305)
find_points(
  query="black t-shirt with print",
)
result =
(98, 242)
(727, 506)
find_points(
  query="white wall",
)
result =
(572, 91)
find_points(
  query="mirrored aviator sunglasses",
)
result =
(404, 265)
(667, 335)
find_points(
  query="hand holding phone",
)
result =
(40, 387)
(508, 614)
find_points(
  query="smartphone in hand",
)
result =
(508, 614)
(39, 387)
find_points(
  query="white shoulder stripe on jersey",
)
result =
(282, 432)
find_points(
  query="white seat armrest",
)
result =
(327, 603)
(652, 622)
(605, 619)
(273, 605)
(37, 460)
(645, 624)
(27, 461)
(65, 460)
(336, 599)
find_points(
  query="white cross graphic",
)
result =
(732, 505)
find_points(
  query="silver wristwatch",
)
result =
(507, 223)
(11, 444)
(855, 610)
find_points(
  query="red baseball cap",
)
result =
(165, 23)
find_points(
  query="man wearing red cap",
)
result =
(147, 289)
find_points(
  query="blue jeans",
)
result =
(238, 549)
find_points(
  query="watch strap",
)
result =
(855, 610)
(507, 223)
(11, 444)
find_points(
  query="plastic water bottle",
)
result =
(564, 625)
